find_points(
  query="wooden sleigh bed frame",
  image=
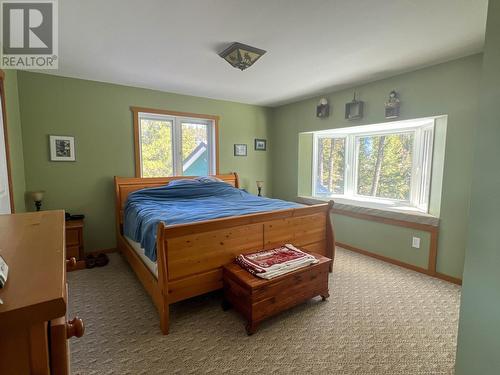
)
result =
(190, 256)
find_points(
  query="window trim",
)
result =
(422, 128)
(187, 115)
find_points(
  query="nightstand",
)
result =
(74, 239)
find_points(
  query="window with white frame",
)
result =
(175, 145)
(386, 164)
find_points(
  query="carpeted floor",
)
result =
(380, 319)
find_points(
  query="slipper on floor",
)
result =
(90, 261)
(101, 260)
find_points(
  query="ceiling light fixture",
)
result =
(241, 56)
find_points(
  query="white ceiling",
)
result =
(313, 46)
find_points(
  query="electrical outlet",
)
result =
(415, 242)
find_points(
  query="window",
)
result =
(331, 166)
(169, 144)
(385, 164)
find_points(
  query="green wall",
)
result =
(15, 139)
(387, 240)
(479, 329)
(98, 116)
(305, 160)
(446, 89)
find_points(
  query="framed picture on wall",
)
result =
(240, 150)
(62, 148)
(260, 144)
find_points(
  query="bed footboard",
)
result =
(195, 253)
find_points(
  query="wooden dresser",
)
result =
(34, 331)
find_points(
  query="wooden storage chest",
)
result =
(258, 299)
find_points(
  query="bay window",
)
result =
(382, 164)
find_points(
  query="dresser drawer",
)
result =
(72, 237)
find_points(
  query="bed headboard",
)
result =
(126, 185)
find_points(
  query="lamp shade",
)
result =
(241, 56)
(260, 184)
(37, 195)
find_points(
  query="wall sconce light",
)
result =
(323, 109)
(37, 198)
(392, 105)
(354, 109)
(259, 187)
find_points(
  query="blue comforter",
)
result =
(186, 201)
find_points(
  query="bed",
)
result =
(188, 256)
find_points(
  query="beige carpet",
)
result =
(380, 319)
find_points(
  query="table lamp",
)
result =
(259, 187)
(37, 198)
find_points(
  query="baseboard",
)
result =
(396, 262)
(383, 258)
(450, 279)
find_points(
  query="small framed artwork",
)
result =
(240, 150)
(260, 144)
(62, 148)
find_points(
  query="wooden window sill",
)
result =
(352, 207)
